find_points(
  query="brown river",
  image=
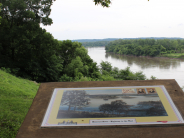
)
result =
(161, 68)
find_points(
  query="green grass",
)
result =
(173, 55)
(16, 96)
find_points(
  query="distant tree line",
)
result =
(146, 47)
(94, 40)
(95, 44)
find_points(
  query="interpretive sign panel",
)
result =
(102, 106)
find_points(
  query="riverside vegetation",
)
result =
(148, 47)
(158, 46)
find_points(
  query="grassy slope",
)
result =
(173, 55)
(16, 96)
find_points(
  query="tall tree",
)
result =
(21, 37)
(76, 61)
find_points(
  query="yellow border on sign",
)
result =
(52, 120)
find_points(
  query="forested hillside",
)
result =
(146, 47)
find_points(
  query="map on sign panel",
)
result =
(102, 106)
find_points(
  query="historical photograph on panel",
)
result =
(141, 91)
(104, 103)
(151, 90)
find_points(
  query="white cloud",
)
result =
(81, 19)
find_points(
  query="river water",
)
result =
(161, 68)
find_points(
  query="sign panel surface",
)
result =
(102, 106)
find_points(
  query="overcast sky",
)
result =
(81, 19)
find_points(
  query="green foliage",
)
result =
(7, 70)
(32, 53)
(105, 66)
(66, 78)
(146, 47)
(76, 62)
(107, 78)
(86, 79)
(22, 11)
(105, 73)
(104, 3)
(26, 49)
(16, 96)
(153, 78)
(75, 68)
(109, 73)
(173, 55)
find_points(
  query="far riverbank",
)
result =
(170, 56)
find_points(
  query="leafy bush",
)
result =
(65, 78)
(109, 73)
(153, 78)
(7, 70)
